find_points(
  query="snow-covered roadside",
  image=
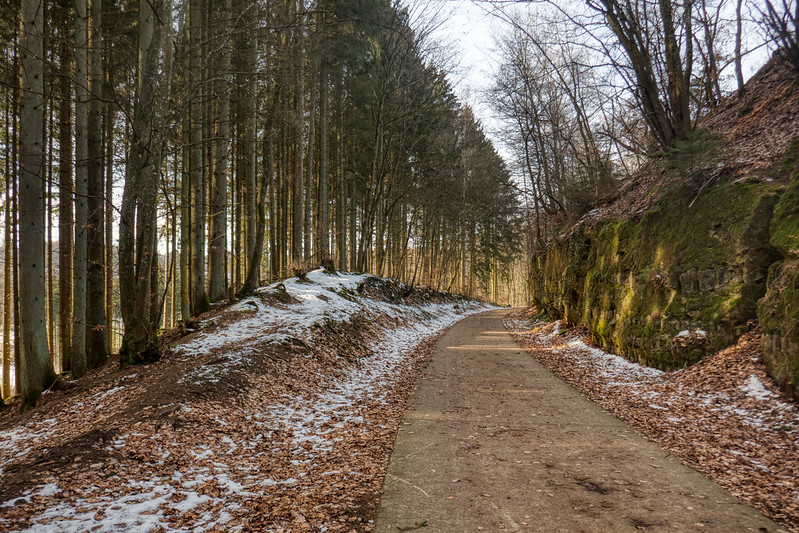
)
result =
(228, 466)
(723, 416)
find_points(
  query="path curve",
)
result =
(492, 441)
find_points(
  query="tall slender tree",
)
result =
(66, 185)
(96, 327)
(79, 362)
(38, 369)
(219, 198)
(137, 224)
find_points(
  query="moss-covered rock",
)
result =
(696, 267)
(778, 311)
(785, 225)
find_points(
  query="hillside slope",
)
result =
(678, 264)
(278, 412)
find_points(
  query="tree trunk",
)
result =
(65, 196)
(341, 204)
(298, 179)
(679, 79)
(324, 165)
(96, 325)
(8, 287)
(137, 246)
(38, 372)
(308, 188)
(739, 73)
(110, 115)
(218, 239)
(249, 149)
(79, 288)
(200, 301)
(185, 227)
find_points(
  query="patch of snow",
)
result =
(755, 388)
(101, 395)
(612, 366)
(323, 297)
(686, 333)
(232, 445)
(315, 423)
(17, 442)
(272, 482)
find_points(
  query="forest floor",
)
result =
(277, 414)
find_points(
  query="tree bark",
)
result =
(38, 372)
(96, 324)
(185, 226)
(110, 114)
(65, 197)
(298, 179)
(739, 73)
(8, 286)
(324, 166)
(79, 270)
(248, 142)
(200, 301)
(137, 246)
(218, 240)
(308, 187)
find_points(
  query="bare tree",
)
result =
(781, 21)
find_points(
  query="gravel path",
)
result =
(492, 441)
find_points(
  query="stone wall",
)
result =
(683, 281)
(778, 311)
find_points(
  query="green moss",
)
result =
(785, 224)
(790, 161)
(636, 284)
(778, 312)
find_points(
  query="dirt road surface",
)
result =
(492, 441)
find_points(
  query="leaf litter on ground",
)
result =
(275, 414)
(723, 416)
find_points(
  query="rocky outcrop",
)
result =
(778, 311)
(686, 278)
(682, 281)
(664, 274)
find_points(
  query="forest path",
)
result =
(492, 441)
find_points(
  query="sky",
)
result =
(467, 34)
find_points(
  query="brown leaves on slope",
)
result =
(175, 455)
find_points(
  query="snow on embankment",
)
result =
(290, 311)
(301, 453)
